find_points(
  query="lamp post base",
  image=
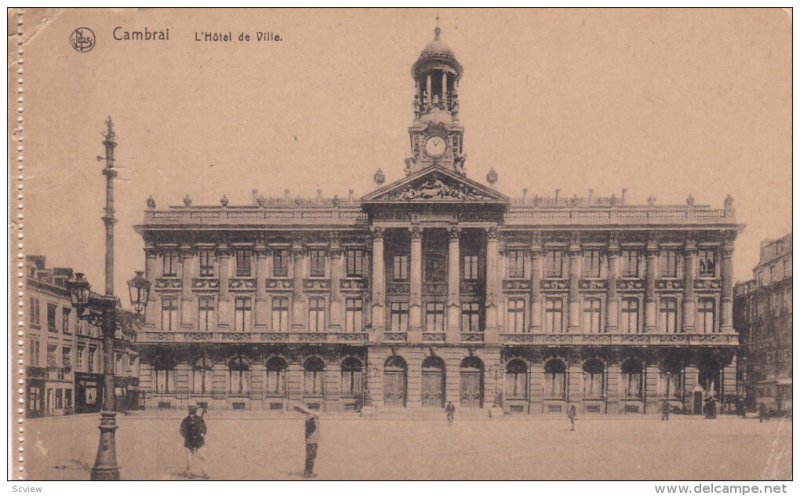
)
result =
(105, 465)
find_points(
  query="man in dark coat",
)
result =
(312, 441)
(451, 412)
(665, 411)
(573, 415)
(193, 431)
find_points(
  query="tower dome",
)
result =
(436, 55)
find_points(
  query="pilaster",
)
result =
(453, 285)
(650, 287)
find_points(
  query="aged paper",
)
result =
(399, 244)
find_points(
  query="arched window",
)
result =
(352, 377)
(632, 378)
(516, 379)
(314, 377)
(671, 380)
(709, 377)
(555, 379)
(201, 376)
(239, 370)
(164, 367)
(276, 376)
(593, 380)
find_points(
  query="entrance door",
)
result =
(394, 387)
(432, 388)
(471, 390)
(698, 403)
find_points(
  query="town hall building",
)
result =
(438, 288)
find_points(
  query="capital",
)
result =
(690, 246)
(415, 231)
(297, 249)
(454, 233)
(185, 251)
(223, 249)
(377, 233)
(651, 248)
(261, 249)
(492, 233)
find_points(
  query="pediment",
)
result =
(435, 185)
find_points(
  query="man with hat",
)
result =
(312, 438)
(193, 431)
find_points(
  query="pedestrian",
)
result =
(762, 412)
(665, 411)
(312, 442)
(572, 417)
(451, 412)
(193, 430)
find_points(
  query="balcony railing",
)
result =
(581, 215)
(433, 337)
(273, 215)
(146, 337)
(623, 339)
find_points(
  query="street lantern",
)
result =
(139, 289)
(79, 290)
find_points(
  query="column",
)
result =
(187, 298)
(612, 302)
(415, 283)
(537, 249)
(689, 262)
(444, 90)
(223, 252)
(151, 312)
(493, 280)
(428, 88)
(574, 294)
(378, 283)
(298, 299)
(650, 287)
(453, 285)
(726, 313)
(337, 270)
(262, 273)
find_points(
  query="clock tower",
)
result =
(436, 134)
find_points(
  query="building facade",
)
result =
(763, 319)
(439, 288)
(64, 369)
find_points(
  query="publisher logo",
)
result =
(82, 40)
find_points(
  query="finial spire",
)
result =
(438, 30)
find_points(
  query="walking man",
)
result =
(451, 412)
(762, 413)
(193, 431)
(572, 417)
(665, 411)
(312, 441)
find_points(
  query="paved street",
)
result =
(249, 447)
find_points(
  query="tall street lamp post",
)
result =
(103, 310)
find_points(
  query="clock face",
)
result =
(435, 146)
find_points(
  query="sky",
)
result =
(662, 102)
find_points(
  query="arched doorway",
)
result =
(394, 381)
(352, 378)
(516, 380)
(471, 383)
(433, 377)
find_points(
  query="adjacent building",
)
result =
(64, 365)
(437, 288)
(763, 318)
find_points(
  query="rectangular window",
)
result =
(117, 363)
(280, 263)
(65, 320)
(516, 316)
(668, 315)
(516, 264)
(51, 317)
(630, 316)
(59, 399)
(316, 314)
(33, 349)
(591, 315)
(434, 317)
(169, 313)
(35, 312)
(668, 263)
(90, 361)
(67, 398)
(280, 314)
(400, 268)
(79, 357)
(207, 309)
(470, 268)
(553, 264)
(470, 317)
(316, 260)
(706, 263)
(399, 317)
(354, 315)
(591, 263)
(66, 359)
(206, 263)
(629, 260)
(244, 263)
(243, 314)
(705, 315)
(553, 315)
(169, 264)
(354, 262)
